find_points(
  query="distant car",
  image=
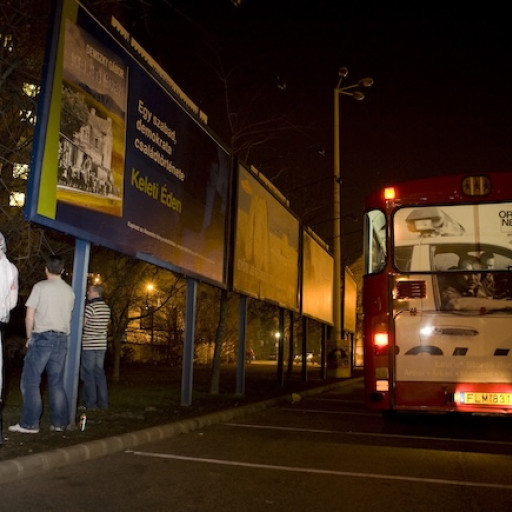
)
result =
(310, 358)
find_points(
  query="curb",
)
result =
(31, 465)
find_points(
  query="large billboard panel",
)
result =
(120, 161)
(266, 261)
(317, 280)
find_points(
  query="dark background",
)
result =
(440, 103)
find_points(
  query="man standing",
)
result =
(8, 300)
(94, 348)
(47, 321)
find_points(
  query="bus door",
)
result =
(440, 355)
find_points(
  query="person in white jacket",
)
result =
(8, 300)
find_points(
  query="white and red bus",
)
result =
(437, 295)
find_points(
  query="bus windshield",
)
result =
(478, 232)
(469, 247)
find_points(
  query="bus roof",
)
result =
(443, 189)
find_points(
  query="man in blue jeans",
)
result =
(47, 321)
(94, 348)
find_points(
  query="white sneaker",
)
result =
(23, 430)
(53, 428)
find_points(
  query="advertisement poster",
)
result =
(132, 168)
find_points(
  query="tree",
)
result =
(74, 112)
(22, 33)
(23, 27)
(124, 280)
(219, 337)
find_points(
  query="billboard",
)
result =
(317, 280)
(120, 160)
(266, 260)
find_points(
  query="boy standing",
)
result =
(94, 348)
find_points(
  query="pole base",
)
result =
(338, 359)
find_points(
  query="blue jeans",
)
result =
(46, 351)
(95, 392)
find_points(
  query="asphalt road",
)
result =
(324, 452)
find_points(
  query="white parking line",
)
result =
(337, 400)
(320, 411)
(371, 434)
(292, 469)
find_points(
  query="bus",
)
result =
(437, 295)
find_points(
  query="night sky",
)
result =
(440, 104)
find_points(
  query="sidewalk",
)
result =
(31, 465)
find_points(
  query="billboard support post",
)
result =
(79, 283)
(280, 349)
(242, 335)
(323, 355)
(304, 370)
(188, 348)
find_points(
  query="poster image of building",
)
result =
(92, 125)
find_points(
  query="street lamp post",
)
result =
(354, 92)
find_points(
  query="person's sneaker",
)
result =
(23, 430)
(53, 428)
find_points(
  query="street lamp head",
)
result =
(358, 95)
(343, 72)
(366, 82)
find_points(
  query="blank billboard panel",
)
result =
(266, 262)
(317, 280)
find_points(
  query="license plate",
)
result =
(472, 398)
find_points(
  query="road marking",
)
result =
(294, 469)
(289, 429)
(337, 400)
(370, 434)
(320, 411)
